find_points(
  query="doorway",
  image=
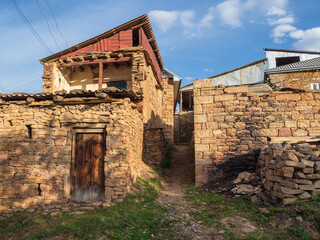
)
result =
(87, 171)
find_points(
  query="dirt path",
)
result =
(175, 184)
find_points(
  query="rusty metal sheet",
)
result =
(250, 74)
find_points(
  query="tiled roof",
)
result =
(114, 93)
(297, 66)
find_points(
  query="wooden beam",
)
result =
(100, 74)
(111, 60)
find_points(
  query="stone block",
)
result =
(290, 124)
(237, 89)
(300, 133)
(300, 175)
(308, 163)
(313, 176)
(200, 118)
(302, 181)
(316, 166)
(288, 97)
(290, 156)
(203, 83)
(288, 184)
(308, 170)
(307, 187)
(284, 132)
(304, 195)
(294, 164)
(316, 192)
(224, 97)
(288, 201)
(290, 191)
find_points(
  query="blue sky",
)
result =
(197, 39)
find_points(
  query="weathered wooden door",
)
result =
(88, 167)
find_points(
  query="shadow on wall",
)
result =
(221, 174)
(155, 143)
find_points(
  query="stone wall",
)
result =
(290, 172)
(154, 146)
(186, 126)
(295, 80)
(168, 108)
(36, 151)
(231, 125)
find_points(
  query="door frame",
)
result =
(85, 128)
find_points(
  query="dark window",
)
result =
(187, 101)
(29, 131)
(135, 38)
(119, 84)
(280, 61)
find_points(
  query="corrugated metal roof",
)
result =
(297, 66)
(116, 93)
(167, 73)
(186, 87)
(244, 66)
(290, 51)
(142, 20)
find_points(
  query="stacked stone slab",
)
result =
(290, 172)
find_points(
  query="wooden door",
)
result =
(88, 167)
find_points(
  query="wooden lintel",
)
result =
(111, 60)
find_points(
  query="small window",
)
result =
(280, 61)
(187, 101)
(29, 131)
(315, 86)
(118, 84)
(135, 38)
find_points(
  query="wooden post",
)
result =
(100, 74)
(180, 106)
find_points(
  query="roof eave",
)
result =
(139, 20)
(304, 69)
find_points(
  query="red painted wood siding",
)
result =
(146, 45)
(120, 40)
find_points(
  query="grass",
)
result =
(166, 162)
(273, 222)
(139, 216)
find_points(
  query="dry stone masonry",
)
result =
(290, 172)
(36, 151)
(232, 125)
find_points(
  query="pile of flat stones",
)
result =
(290, 172)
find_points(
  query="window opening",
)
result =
(118, 84)
(135, 38)
(29, 131)
(280, 61)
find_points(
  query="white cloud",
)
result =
(208, 18)
(284, 20)
(164, 19)
(188, 78)
(274, 11)
(230, 12)
(309, 40)
(186, 18)
(282, 30)
(208, 70)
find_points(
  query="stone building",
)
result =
(184, 117)
(106, 112)
(238, 112)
